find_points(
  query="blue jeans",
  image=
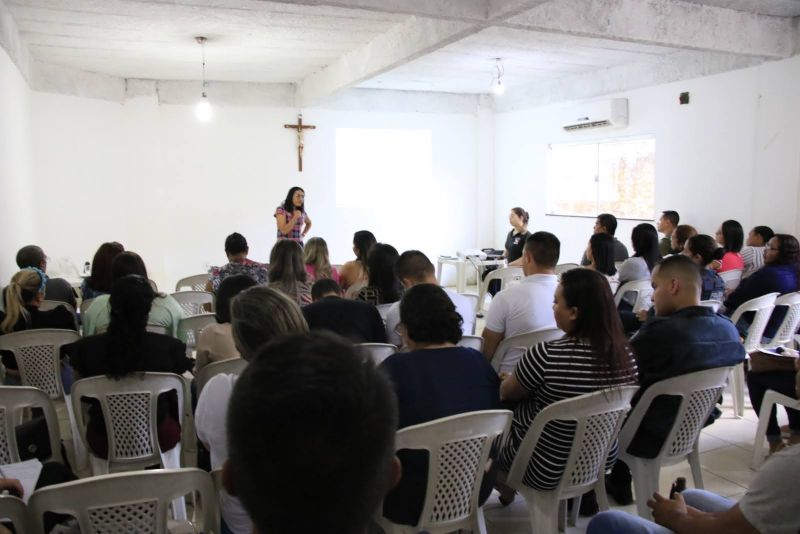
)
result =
(618, 522)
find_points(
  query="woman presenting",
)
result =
(291, 217)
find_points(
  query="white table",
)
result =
(461, 269)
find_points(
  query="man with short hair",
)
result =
(236, 249)
(606, 223)
(311, 434)
(753, 251)
(528, 305)
(683, 337)
(666, 225)
(56, 288)
(414, 268)
(356, 320)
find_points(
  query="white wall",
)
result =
(17, 217)
(171, 189)
(733, 152)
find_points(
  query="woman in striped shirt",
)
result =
(594, 354)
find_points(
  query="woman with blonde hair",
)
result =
(287, 273)
(258, 315)
(318, 264)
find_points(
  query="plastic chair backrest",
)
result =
(643, 290)
(383, 310)
(135, 502)
(731, 278)
(195, 282)
(698, 391)
(234, 366)
(762, 306)
(511, 349)
(15, 509)
(129, 408)
(506, 275)
(713, 304)
(38, 356)
(193, 302)
(155, 328)
(473, 300)
(47, 305)
(459, 448)
(788, 327)
(378, 351)
(189, 327)
(561, 268)
(598, 417)
(472, 342)
(153, 285)
(13, 401)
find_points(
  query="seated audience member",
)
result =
(607, 224)
(258, 315)
(287, 273)
(703, 250)
(22, 298)
(526, 306)
(215, 342)
(383, 286)
(546, 373)
(413, 268)
(127, 348)
(682, 338)
(600, 253)
(56, 288)
(753, 251)
(435, 379)
(354, 273)
(680, 235)
(318, 265)
(769, 505)
(667, 224)
(236, 249)
(337, 418)
(51, 473)
(730, 236)
(99, 282)
(165, 310)
(646, 254)
(357, 321)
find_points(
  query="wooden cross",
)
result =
(300, 127)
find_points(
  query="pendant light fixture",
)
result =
(497, 83)
(202, 109)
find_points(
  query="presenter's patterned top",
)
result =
(296, 233)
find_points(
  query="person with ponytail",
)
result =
(127, 348)
(703, 250)
(22, 298)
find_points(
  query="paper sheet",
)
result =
(26, 472)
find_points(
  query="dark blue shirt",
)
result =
(771, 278)
(691, 339)
(713, 286)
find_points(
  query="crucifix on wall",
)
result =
(300, 127)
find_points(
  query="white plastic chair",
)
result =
(762, 306)
(154, 328)
(598, 417)
(506, 275)
(771, 398)
(13, 402)
(15, 510)
(714, 305)
(472, 342)
(193, 302)
(788, 327)
(378, 351)
(47, 305)
(195, 282)
(731, 278)
(643, 290)
(153, 285)
(189, 328)
(458, 448)
(127, 502)
(511, 349)
(383, 310)
(38, 356)
(699, 392)
(473, 300)
(561, 268)
(234, 366)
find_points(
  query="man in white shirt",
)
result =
(413, 268)
(528, 305)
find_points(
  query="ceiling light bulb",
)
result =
(203, 110)
(498, 88)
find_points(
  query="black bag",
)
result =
(33, 440)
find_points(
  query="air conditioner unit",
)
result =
(599, 114)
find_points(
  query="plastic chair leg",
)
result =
(572, 518)
(737, 390)
(171, 459)
(761, 431)
(79, 449)
(694, 463)
(600, 493)
(645, 483)
(478, 522)
(543, 510)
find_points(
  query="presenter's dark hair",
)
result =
(644, 239)
(429, 315)
(522, 214)
(288, 204)
(337, 416)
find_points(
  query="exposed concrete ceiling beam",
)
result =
(464, 10)
(664, 22)
(13, 44)
(796, 26)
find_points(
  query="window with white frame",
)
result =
(615, 176)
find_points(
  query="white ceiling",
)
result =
(333, 44)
